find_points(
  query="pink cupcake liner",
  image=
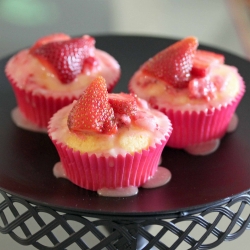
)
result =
(94, 172)
(37, 107)
(191, 128)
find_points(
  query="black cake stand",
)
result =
(217, 184)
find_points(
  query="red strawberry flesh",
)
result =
(123, 104)
(204, 60)
(173, 64)
(65, 58)
(92, 111)
(50, 38)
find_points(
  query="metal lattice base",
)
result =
(56, 230)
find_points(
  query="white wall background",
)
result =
(23, 21)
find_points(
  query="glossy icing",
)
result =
(203, 148)
(58, 171)
(118, 192)
(211, 146)
(20, 121)
(31, 75)
(233, 124)
(161, 177)
(149, 129)
(162, 94)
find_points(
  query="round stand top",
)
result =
(198, 182)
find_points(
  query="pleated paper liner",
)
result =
(192, 127)
(37, 106)
(94, 172)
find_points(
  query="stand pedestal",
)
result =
(59, 230)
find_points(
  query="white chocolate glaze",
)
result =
(20, 121)
(118, 192)
(30, 74)
(128, 139)
(161, 177)
(233, 123)
(164, 95)
(209, 147)
(203, 148)
(58, 171)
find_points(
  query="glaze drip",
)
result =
(211, 146)
(233, 124)
(118, 192)
(21, 122)
(204, 148)
(161, 177)
(58, 171)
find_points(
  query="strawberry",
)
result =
(173, 64)
(48, 39)
(66, 58)
(203, 60)
(123, 104)
(92, 111)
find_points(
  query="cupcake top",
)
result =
(181, 77)
(108, 124)
(61, 64)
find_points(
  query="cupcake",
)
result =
(53, 73)
(195, 89)
(110, 143)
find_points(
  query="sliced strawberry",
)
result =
(66, 58)
(173, 65)
(123, 104)
(204, 60)
(92, 111)
(50, 38)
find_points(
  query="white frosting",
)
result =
(20, 121)
(128, 139)
(161, 177)
(164, 95)
(118, 192)
(29, 73)
(58, 171)
(204, 148)
(208, 147)
(233, 124)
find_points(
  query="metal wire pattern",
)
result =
(57, 230)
